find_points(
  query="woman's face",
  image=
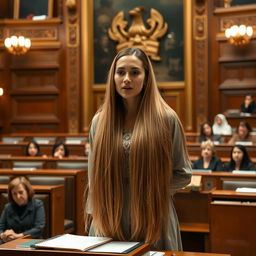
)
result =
(129, 77)
(207, 152)
(242, 131)
(207, 130)
(219, 120)
(237, 154)
(59, 151)
(86, 149)
(32, 150)
(20, 195)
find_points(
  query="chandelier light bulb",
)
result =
(228, 33)
(239, 35)
(17, 45)
(242, 30)
(249, 31)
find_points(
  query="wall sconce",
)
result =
(239, 35)
(1, 91)
(17, 45)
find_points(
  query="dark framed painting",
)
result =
(27, 9)
(171, 51)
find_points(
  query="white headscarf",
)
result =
(224, 128)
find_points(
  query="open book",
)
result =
(92, 244)
(72, 242)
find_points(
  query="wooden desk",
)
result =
(214, 180)
(9, 249)
(232, 222)
(222, 150)
(56, 207)
(19, 148)
(80, 178)
(48, 162)
(234, 120)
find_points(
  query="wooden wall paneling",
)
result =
(213, 68)
(175, 99)
(73, 75)
(200, 50)
(235, 68)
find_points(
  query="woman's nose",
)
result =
(127, 78)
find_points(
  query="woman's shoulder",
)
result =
(37, 202)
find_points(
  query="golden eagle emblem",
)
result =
(138, 35)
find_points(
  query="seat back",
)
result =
(72, 165)
(234, 184)
(28, 164)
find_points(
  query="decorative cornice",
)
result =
(47, 33)
(248, 20)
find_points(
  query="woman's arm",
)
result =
(181, 164)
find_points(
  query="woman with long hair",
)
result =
(239, 160)
(206, 133)
(33, 149)
(137, 159)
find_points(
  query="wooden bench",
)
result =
(55, 209)
(19, 148)
(232, 222)
(47, 162)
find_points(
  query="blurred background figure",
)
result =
(60, 150)
(208, 161)
(23, 215)
(221, 126)
(206, 133)
(239, 160)
(33, 149)
(86, 148)
(249, 105)
(243, 134)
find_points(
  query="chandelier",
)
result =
(239, 35)
(17, 45)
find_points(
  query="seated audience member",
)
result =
(33, 149)
(23, 215)
(239, 160)
(249, 105)
(221, 126)
(86, 148)
(206, 133)
(208, 161)
(242, 134)
(60, 150)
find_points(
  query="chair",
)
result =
(233, 185)
(75, 140)
(21, 165)
(12, 139)
(44, 140)
(72, 165)
(69, 196)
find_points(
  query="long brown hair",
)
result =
(150, 161)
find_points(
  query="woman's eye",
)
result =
(135, 72)
(120, 72)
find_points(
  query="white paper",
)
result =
(74, 242)
(244, 172)
(114, 247)
(247, 190)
